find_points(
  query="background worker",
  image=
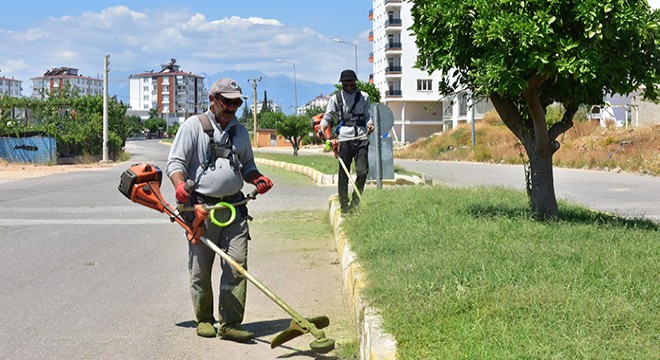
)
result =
(350, 107)
(218, 162)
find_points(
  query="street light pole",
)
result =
(355, 45)
(295, 87)
(254, 113)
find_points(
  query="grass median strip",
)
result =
(327, 164)
(467, 273)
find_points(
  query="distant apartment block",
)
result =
(272, 106)
(411, 93)
(10, 87)
(320, 101)
(57, 79)
(174, 93)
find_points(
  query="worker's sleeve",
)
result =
(244, 149)
(330, 111)
(182, 150)
(367, 106)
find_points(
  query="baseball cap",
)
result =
(347, 75)
(228, 88)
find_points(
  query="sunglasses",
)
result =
(229, 102)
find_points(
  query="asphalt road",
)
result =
(87, 274)
(619, 193)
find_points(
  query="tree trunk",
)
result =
(543, 199)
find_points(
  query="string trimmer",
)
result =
(328, 146)
(141, 184)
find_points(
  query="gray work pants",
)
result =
(233, 239)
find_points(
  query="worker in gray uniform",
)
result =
(350, 107)
(210, 160)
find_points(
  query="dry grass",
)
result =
(586, 145)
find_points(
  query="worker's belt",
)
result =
(231, 199)
(205, 199)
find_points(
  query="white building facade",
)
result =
(411, 93)
(10, 87)
(176, 94)
(58, 79)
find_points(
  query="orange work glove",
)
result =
(335, 147)
(197, 229)
(263, 184)
(182, 195)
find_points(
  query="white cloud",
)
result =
(144, 40)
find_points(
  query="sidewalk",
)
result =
(374, 343)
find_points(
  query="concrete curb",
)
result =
(374, 343)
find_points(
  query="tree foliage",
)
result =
(293, 128)
(526, 55)
(75, 121)
(269, 119)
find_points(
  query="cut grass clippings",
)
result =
(468, 273)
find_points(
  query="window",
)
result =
(462, 104)
(424, 85)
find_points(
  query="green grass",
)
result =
(326, 164)
(468, 273)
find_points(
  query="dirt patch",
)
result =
(18, 171)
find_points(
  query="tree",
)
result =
(154, 113)
(525, 55)
(269, 119)
(265, 106)
(293, 128)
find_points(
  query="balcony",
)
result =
(393, 93)
(393, 46)
(392, 3)
(371, 78)
(371, 14)
(393, 70)
(371, 57)
(393, 23)
(371, 35)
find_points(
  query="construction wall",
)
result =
(34, 150)
(269, 138)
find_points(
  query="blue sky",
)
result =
(204, 36)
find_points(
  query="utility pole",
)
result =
(106, 64)
(254, 112)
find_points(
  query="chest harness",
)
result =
(216, 150)
(350, 119)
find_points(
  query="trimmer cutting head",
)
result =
(322, 345)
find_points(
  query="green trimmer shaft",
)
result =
(299, 325)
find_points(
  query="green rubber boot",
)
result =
(206, 329)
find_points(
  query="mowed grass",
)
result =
(326, 164)
(467, 273)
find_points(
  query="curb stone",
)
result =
(374, 342)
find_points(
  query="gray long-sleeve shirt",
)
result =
(362, 108)
(189, 152)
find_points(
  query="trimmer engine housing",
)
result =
(138, 174)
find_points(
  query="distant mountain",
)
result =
(280, 88)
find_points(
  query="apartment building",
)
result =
(320, 101)
(411, 93)
(10, 87)
(175, 93)
(57, 79)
